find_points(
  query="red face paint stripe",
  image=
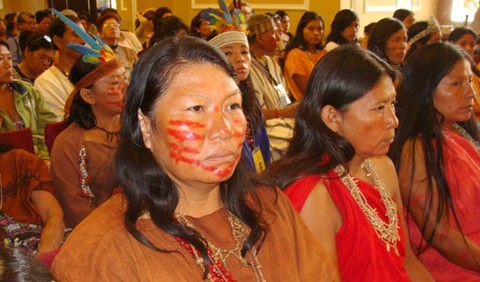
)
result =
(239, 134)
(222, 172)
(180, 158)
(176, 148)
(187, 123)
(184, 135)
(118, 104)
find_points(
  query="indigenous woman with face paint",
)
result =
(188, 211)
(82, 154)
(344, 29)
(436, 153)
(336, 174)
(256, 149)
(303, 53)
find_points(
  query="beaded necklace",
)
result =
(218, 270)
(86, 191)
(249, 134)
(466, 136)
(387, 232)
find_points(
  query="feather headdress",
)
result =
(222, 20)
(232, 26)
(98, 53)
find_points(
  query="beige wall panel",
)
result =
(22, 5)
(424, 10)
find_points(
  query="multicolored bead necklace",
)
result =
(218, 269)
(86, 191)
(249, 134)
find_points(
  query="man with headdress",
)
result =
(53, 84)
(263, 36)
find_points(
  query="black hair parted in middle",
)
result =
(341, 77)
(146, 185)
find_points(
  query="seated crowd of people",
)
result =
(234, 150)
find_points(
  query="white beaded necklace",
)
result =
(387, 232)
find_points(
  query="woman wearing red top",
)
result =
(336, 174)
(437, 156)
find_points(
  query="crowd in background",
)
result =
(235, 148)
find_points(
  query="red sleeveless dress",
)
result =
(462, 173)
(362, 255)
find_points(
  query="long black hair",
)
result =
(81, 111)
(419, 120)
(381, 32)
(167, 27)
(19, 266)
(250, 104)
(341, 21)
(401, 14)
(298, 40)
(341, 77)
(415, 29)
(147, 187)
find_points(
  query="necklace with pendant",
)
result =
(110, 134)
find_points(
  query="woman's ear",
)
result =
(146, 129)
(331, 117)
(87, 96)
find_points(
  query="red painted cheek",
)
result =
(118, 104)
(184, 131)
(222, 172)
(184, 135)
(115, 97)
(239, 145)
(114, 91)
(240, 131)
(179, 158)
(186, 123)
(179, 149)
(239, 134)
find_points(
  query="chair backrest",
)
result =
(52, 130)
(19, 139)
